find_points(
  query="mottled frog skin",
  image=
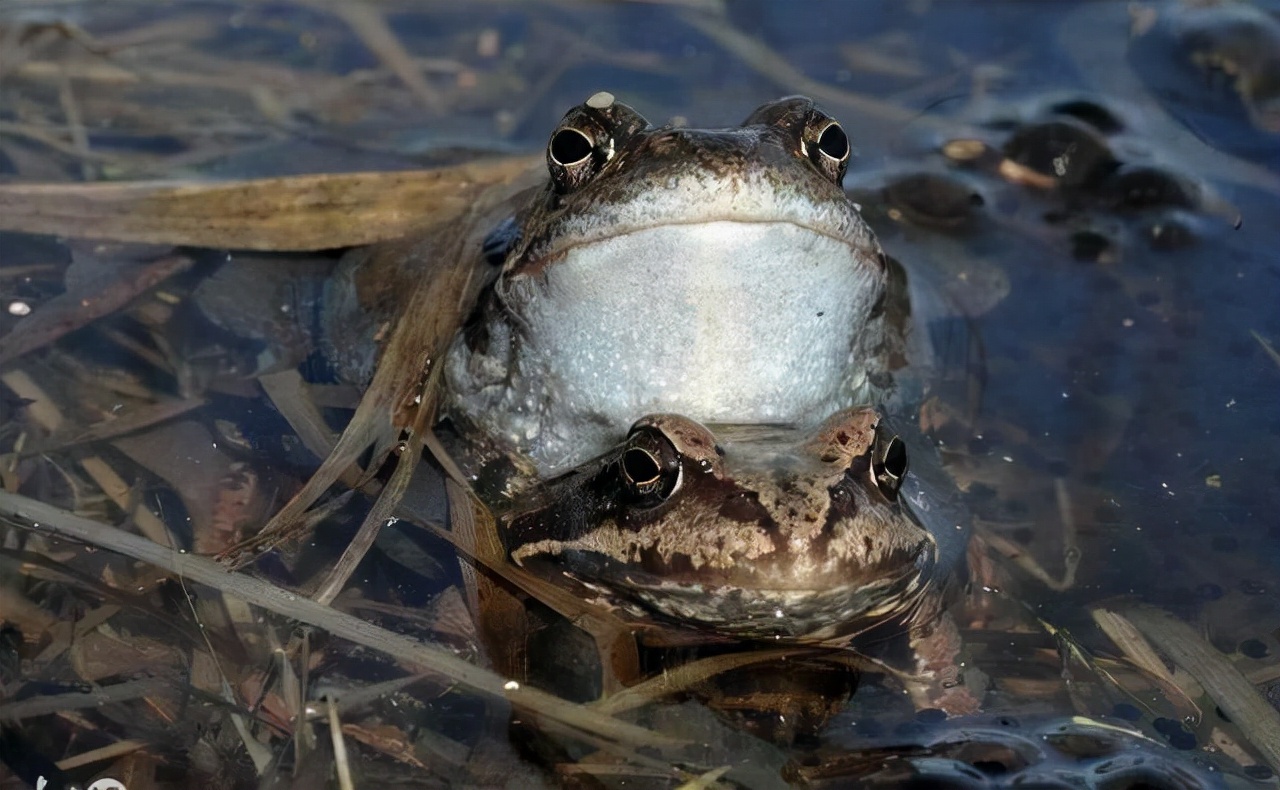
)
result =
(720, 274)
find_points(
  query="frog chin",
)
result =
(748, 322)
(794, 615)
(806, 614)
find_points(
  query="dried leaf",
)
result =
(313, 212)
(446, 279)
(40, 517)
(387, 739)
(1139, 651)
(1237, 697)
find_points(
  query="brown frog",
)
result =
(718, 273)
(754, 533)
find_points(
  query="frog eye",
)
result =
(828, 147)
(569, 147)
(649, 467)
(588, 137)
(888, 463)
(569, 158)
(833, 143)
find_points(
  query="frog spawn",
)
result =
(1065, 168)
(1002, 751)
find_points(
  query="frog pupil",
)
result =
(569, 146)
(640, 467)
(834, 142)
(895, 458)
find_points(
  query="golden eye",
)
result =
(641, 470)
(589, 137)
(827, 146)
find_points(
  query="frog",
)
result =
(722, 274)
(758, 534)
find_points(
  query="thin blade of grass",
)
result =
(1266, 346)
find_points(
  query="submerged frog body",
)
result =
(721, 274)
(757, 533)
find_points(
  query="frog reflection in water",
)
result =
(762, 534)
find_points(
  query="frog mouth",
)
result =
(798, 614)
(811, 615)
(701, 197)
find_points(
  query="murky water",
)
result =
(1108, 243)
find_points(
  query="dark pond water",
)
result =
(1109, 254)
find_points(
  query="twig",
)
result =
(371, 27)
(75, 309)
(357, 698)
(290, 395)
(258, 752)
(75, 125)
(45, 412)
(121, 493)
(1267, 347)
(52, 140)
(773, 66)
(109, 752)
(374, 520)
(132, 420)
